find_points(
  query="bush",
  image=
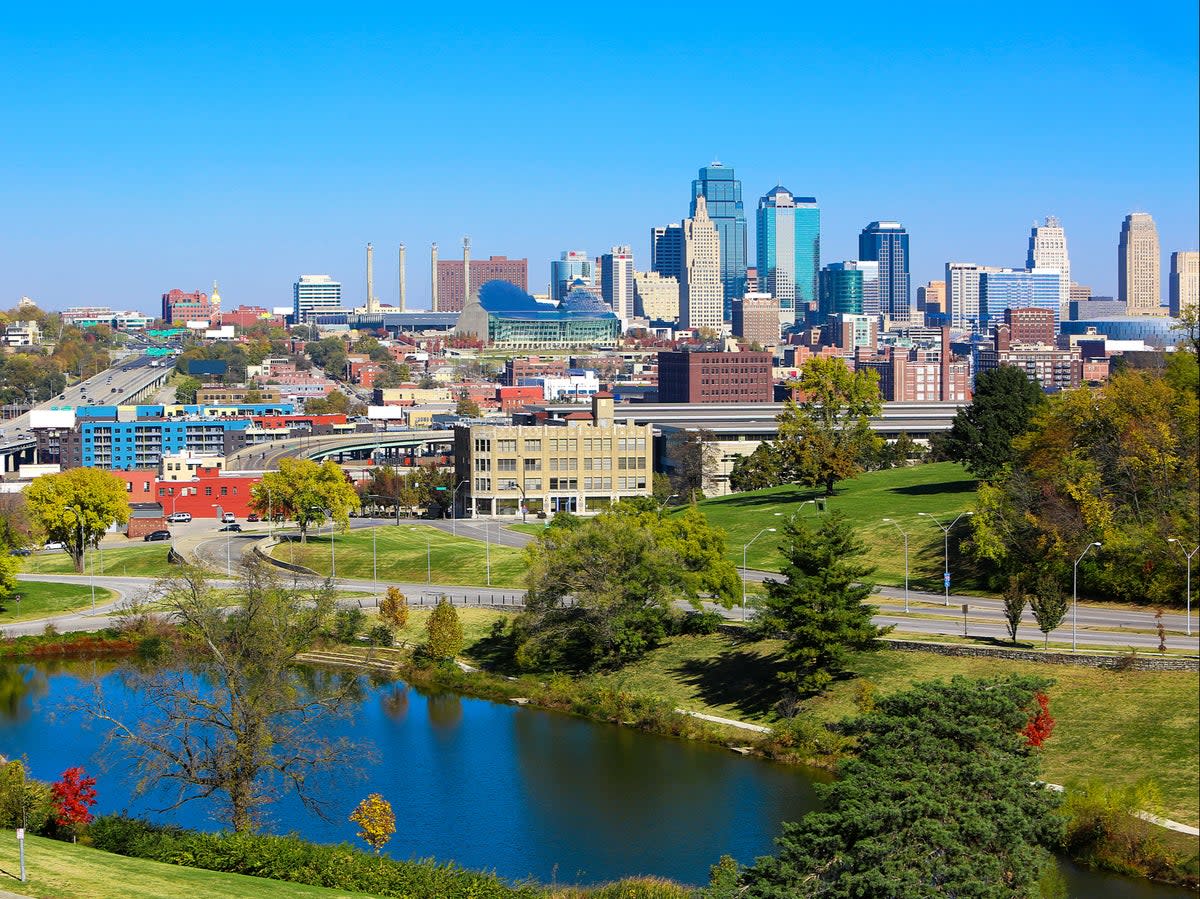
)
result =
(381, 635)
(24, 802)
(697, 623)
(347, 623)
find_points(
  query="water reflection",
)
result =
(394, 702)
(445, 710)
(19, 686)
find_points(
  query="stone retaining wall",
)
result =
(1128, 662)
(266, 556)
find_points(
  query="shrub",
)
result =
(698, 623)
(347, 623)
(394, 608)
(444, 632)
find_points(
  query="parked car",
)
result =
(52, 546)
(230, 527)
(228, 518)
(179, 516)
(252, 517)
(20, 551)
(157, 535)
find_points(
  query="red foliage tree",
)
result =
(73, 796)
(1041, 724)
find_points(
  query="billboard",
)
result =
(207, 366)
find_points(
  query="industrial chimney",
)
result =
(402, 277)
(433, 302)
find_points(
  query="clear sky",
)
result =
(167, 145)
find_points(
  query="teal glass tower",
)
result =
(841, 290)
(722, 193)
(789, 250)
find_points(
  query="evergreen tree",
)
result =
(1003, 407)
(820, 608)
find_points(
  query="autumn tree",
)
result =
(77, 507)
(443, 632)
(695, 455)
(825, 438)
(73, 798)
(377, 820)
(306, 492)
(1002, 408)
(1015, 600)
(466, 407)
(1048, 603)
(820, 607)
(393, 609)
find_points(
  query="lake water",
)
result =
(491, 786)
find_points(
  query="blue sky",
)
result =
(152, 147)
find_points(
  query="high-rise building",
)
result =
(616, 282)
(1048, 250)
(313, 294)
(962, 294)
(656, 297)
(752, 279)
(179, 308)
(701, 299)
(1139, 276)
(841, 290)
(931, 299)
(722, 193)
(789, 250)
(572, 266)
(451, 278)
(1007, 289)
(887, 244)
(1185, 281)
(756, 318)
(1080, 293)
(666, 251)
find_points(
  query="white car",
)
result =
(179, 516)
(227, 518)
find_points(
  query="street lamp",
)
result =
(1188, 556)
(905, 535)
(1075, 590)
(745, 547)
(666, 501)
(946, 528)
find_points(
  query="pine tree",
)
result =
(820, 608)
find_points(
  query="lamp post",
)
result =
(1075, 590)
(905, 535)
(487, 536)
(946, 528)
(667, 501)
(745, 547)
(1187, 555)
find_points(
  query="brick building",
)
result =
(756, 319)
(450, 297)
(179, 308)
(1030, 325)
(713, 377)
(516, 370)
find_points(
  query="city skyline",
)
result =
(133, 175)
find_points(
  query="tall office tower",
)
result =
(751, 279)
(452, 274)
(314, 294)
(1048, 250)
(722, 193)
(572, 266)
(656, 296)
(1139, 277)
(872, 302)
(666, 251)
(1185, 280)
(789, 250)
(1006, 289)
(931, 299)
(616, 282)
(701, 299)
(841, 290)
(962, 294)
(887, 244)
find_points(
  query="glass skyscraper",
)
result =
(1017, 289)
(887, 244)
(841, 290)
(723, 194)
(789, 250)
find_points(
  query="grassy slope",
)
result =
(1118, 726)
(401, 552)
(136, 560)
(39, 599)
(942, 489)
(63, 871)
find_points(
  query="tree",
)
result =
(600, 591)
(942, 798)
(758, 470)
(185, 389)
(661, 487)
(820, 608)
(73, 798)
(1015, 600)
(1003, 407)
(695, 455)
(377, 820)
(1048, 604)
(825, 438)
(241, 723)
(466, 407)
(76, 508)
(1041, 723)
(394, 608)
(305, 492)
(336, 403)
(443, 632)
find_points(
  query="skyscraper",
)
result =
(789, 250)
(962, 294)
(666, 251)
(1048, 250)
(313, 294)
(931, 299)
(722, 193)
(1007, 289)
(451, 278)
(841, 290)
(887, 244)
(572, 266)
(701, 300)
(1185, 280)
(1139, 276)
(616, 282)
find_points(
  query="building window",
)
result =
(533, 446)
(506, 446)
(208, 491)
(224, 491)
(533, 464)
(506, 464)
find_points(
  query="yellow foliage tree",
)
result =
(377, 820)
(76, 507)
(394, 609)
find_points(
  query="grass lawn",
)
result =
(528, 528)
(476, 623)
(1115, 726)
(40, 599)
(402, 556)
(942, 489)
(136, 560)
(63, 871)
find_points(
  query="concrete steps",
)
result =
(382, 660)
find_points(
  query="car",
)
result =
(251, 517)
(228, 518)
(179, 516)
(20, 551)
(154, 536)
(55, 545)
(230, 527)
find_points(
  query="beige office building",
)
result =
(580, 464)
(1185, 280)
(701, 296)
(656, 296)
(1139, 273)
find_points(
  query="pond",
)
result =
(493, 786)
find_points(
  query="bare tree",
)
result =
(240, 722)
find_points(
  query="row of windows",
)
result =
(208, 491)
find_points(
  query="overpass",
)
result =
(381, 447)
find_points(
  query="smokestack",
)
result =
(433, 303)
(402, 277)
(945, 363)
(372, 305)
(466, 271)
